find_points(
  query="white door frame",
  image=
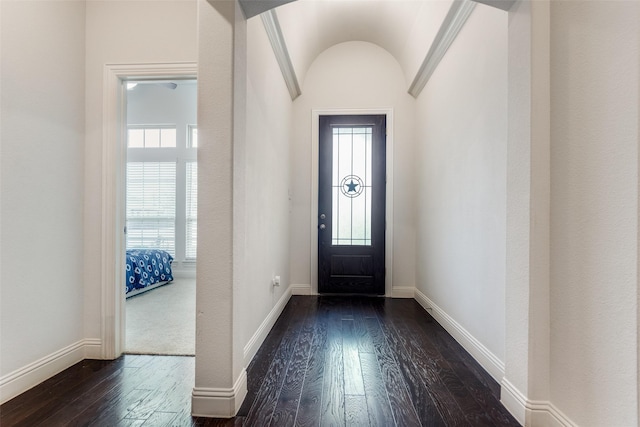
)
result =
(388, 261)
(113, 190)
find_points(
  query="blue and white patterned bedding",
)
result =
(146, 267)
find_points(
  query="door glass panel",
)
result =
(352, 185)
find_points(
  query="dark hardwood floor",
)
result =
(328, 361)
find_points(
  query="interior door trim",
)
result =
(112, 242)
(388, 262)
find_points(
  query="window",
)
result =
(151, 205)
(352, 185)
(193, 136)
(192, 210)
(162, 189)
(151, 137)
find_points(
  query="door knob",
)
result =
(322, 226)
(322, 216)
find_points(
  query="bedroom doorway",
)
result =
(161, 140)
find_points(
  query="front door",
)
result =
(351, 204)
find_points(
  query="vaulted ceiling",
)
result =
(405, 28)
(416, 32)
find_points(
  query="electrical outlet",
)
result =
(275, 281)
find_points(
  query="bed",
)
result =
(147, 269)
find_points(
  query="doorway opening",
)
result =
(160, 192)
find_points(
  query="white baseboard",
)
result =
(93, 348)
(547, 413)
(526, 412)
(489, 361)
(252, 347)
(184, 273)
(29, 376)
(514, 400)
(301, 289)
(219, 402)
(403, 292)
(532, 412)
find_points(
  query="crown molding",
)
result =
(454, 21)
(274, 32)
(252, 8)
(500, 4)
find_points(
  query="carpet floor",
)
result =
(163, 320)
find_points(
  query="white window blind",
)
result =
(151, 205)
(192, 211)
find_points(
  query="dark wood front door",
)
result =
(351, 204)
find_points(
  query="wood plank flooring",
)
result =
(328, 361)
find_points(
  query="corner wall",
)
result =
(42, 109)
(461, 124)
(121, 32)
(595, 103)
(266, 194)
(244, 113)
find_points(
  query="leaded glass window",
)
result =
(352, 185)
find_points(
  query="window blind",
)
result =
(192, 210)
(151, 205)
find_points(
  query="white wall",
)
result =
(422, 34)
(354, 75)
(221, 71)
(244, 114)
(266, 182)
(528, 194)
(594, 211)
(156, 104)
(42, 171)
(461, 180)
(122, 32)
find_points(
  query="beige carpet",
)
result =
(163, 320)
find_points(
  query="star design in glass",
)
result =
(351, 187)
